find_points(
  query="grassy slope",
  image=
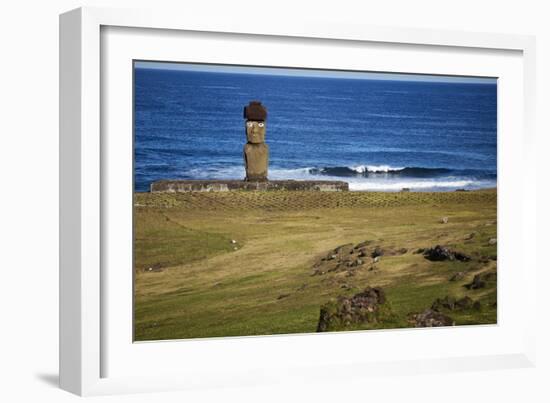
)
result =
(202, 287)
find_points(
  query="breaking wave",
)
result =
(376, 170)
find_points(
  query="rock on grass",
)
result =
(343, 258)
(367, 307)
(481, 280)
(440, 253)
(431, 318)
(349, 258)
(377, 252)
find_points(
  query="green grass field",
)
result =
(192, 281)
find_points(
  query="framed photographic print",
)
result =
(235, 201)
(346, 183)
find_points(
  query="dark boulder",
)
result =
(377, 252)
(440, 253)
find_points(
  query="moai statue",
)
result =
(256, 152)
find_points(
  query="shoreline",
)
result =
(488, 189)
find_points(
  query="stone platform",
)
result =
(173, 186)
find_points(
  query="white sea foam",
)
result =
(229, 172)
(295, 173)
(375, 168)
(419, 185)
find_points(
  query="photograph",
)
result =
(282, 200)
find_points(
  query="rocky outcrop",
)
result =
(440, 253)
(344, 257)
(431, 318)
(348, 257)
(367, 307)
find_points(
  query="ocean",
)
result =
(378, 135)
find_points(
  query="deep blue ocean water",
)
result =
(375, 134)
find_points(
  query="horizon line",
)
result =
(311, 73)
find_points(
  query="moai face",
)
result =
(255, 131)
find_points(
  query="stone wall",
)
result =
(173, 186)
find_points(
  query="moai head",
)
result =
(255, 114)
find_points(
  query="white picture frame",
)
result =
(88, 180)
